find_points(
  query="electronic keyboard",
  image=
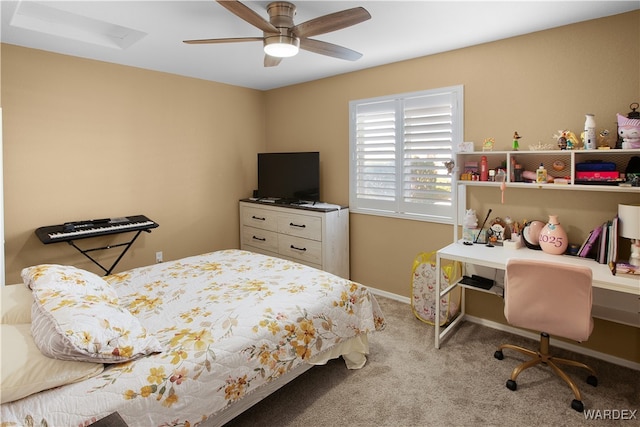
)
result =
(93, 228)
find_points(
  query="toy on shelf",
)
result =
(603, 139)
(516, 137)
(573, 141)
(470, 219)
(488, 143)
(566, 140)
(629, 129)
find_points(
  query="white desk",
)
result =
(497, 256)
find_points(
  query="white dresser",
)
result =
(318, 237)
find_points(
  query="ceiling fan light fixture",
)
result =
(281, 46)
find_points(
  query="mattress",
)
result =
(230, 323)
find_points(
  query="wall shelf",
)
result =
(530, 160)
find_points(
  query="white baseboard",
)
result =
(516, 331)
(389, 295)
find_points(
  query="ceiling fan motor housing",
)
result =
(281, 15)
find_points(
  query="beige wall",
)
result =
(87, 139)
(535, 84)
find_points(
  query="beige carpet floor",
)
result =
(407, 382)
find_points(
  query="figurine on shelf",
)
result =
(573, 142)
(629, 131)
(516, 137)
(470, 219)
(567, 140)
(449, 165)
(498, 231)
(561, 139)
(603, 139)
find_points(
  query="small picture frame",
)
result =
(465, 147)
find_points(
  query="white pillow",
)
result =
(16, 304)
(77, 316)
(25, 370)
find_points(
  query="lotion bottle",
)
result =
(541, 174)
(590, 142)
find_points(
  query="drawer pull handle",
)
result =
(297, 225)
(262, 239)
(258, 218)
(298, 249)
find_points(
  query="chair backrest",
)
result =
(548, 297)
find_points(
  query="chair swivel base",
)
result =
(543, 356)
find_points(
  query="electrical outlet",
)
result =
(159, 257)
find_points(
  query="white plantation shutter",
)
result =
(399, 146)
(376, 155)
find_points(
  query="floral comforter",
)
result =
(229, 321)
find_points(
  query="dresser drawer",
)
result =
(267, 240)
(308, 227)
(300, 249)
(314, 236)
(260, 218)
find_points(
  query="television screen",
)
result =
(290, 177)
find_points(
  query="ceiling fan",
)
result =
(282, 38)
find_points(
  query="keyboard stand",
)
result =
(126, 245)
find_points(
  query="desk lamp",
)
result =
(629, 227)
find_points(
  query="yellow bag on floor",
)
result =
(423, 288)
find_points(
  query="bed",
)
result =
(215, 334)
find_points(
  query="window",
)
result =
(400, 147)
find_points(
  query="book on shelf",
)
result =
(590, 242)
(584, 244)
(612, 244)
(602, 245)
(601, 254)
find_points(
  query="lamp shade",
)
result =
(629, 221)
(281, 46)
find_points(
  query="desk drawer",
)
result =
(260, 218)
(300, 249)
(308, 227)
(267, 240)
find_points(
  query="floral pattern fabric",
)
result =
(76, 315)
(230, 321)
(423, 289)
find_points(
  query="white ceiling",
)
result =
(148, 34)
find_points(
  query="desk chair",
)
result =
(554, 299)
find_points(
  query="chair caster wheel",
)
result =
(498, 355)
(511, 385)
(577, 405)
(591, 380)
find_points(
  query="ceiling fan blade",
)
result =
(271, 61)
(227, 40)
(331, 22)
(329, 49)
(248, 15)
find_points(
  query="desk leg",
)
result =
(442, 332)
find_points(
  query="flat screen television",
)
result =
(289, 177)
